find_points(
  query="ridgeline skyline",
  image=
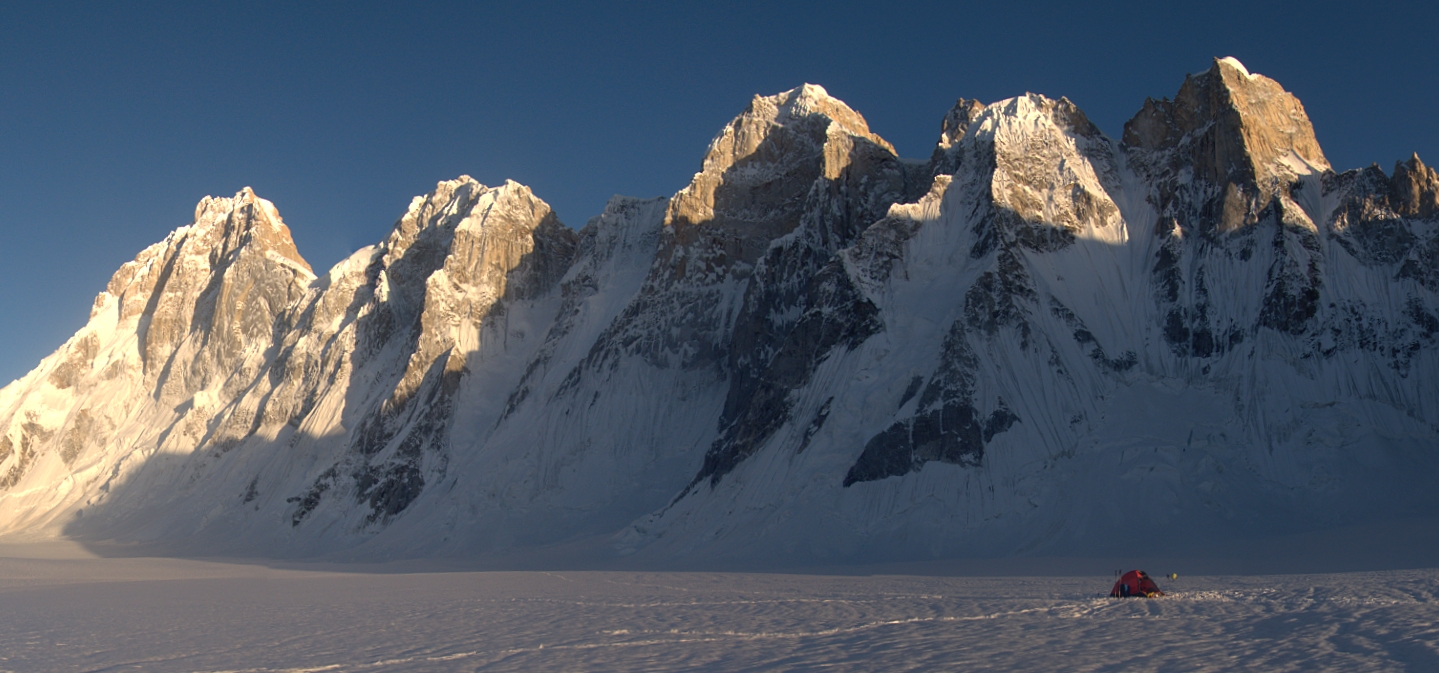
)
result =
(115, 122)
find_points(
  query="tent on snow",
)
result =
(1135, 583)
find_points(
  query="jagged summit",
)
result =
(1241, 135)
(215, 285)
(1050, 168)
(1245, 124)
(758, 171)
(1415, 188)
(800, 103)
(943, 160)
(264, 222)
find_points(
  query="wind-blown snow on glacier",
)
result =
(1039, 340)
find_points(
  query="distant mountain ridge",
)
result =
(1038, 340)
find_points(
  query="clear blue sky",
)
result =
(116, 118)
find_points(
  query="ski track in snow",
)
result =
(97, 614)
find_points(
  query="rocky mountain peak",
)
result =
(759, 169)
(510, 241)
(955, 125)
(476, 246)
(455, 253)
(1050, 164)
(1239, 132)
(464, 204)
(246, 219)
(224, 230)
(804, 102)
(1013, 117)
(1273, 120)
(511, 205)
(1247, 124)
(956, 122)
(442, 208)
(212, 295)
(1414, 189)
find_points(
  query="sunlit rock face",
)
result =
(1228, 143)
(1033, 341)
(176, 335)
(758, 173)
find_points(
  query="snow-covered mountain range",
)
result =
(1039, 340)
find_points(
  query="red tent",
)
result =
(1135, 583)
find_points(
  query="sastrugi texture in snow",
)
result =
(1041, 339)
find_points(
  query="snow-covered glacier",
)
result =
(1039, 340)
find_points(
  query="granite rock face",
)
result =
(176, 335)
(1226, 144)
(817, 350)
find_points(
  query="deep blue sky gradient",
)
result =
(116, 118)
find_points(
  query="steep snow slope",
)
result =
(1040, 340)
